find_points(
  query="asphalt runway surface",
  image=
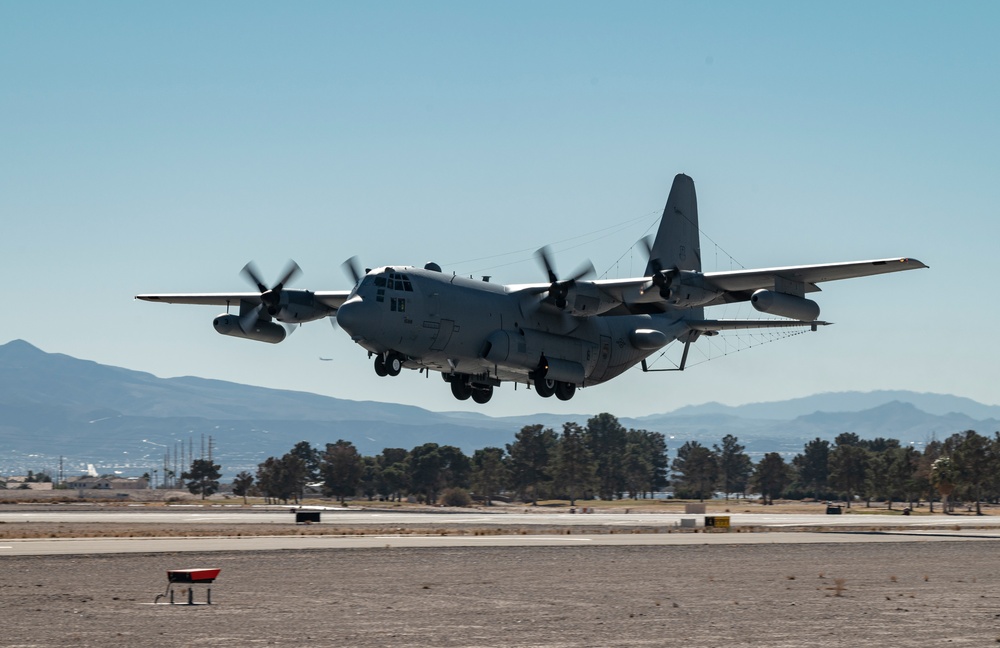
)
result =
(534, 580)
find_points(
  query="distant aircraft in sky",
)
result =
(555, 336)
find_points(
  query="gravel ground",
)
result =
(905, 594)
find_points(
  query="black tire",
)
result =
(483, 395)
(460, 389)
(565, 391)
(380, 366)
(544, 387)
(393, 364)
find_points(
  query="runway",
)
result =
(215, 514)
(378, 529)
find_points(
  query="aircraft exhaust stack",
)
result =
(784, 305)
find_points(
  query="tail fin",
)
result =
(677, 243)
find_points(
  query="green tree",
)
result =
(574, 470)
(242, 484)
(295, 473)
(431, 468)
(311, 459)
(203, 477)
(529, 459)
(813, 467)
(489, 473)
(974, 459)
(271, 481)
(735, 466)
(342, 469)
(922, 477)
(644, 465)
(771, 476)
(392, 473)
(848, 466)
(606, 440)
(697, 470)
(943, 477)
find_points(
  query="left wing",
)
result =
(289, 306)
(332, 299)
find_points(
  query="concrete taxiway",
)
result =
(76, 546)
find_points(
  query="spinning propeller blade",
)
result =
(559, 288)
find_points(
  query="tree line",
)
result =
(605, 460)
(965, 466)
(602, 459)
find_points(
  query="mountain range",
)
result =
(53, 405)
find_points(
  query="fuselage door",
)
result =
(443, 335)
(603, 358)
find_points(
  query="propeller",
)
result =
(660, 278)
(559, 288)
(352, 267)
(270, 298)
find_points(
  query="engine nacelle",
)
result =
(784, 305)
(298, 306)
(261, 331)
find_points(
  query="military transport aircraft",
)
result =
(555, 336)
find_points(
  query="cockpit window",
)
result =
(398, 281)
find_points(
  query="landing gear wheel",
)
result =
(393, 364)
(380, 368)
(483, 395)
(565, 391)
(460, 389)
(545, 387)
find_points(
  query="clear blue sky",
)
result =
(157, 147)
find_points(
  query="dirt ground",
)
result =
(905, 594)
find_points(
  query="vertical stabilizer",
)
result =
(677, 243)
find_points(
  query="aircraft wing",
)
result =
(714, 326)
(738, 285)
(331, 298)
(810, 275)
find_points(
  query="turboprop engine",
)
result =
(258, 329)
(785, 305)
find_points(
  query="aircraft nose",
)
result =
(355, 317)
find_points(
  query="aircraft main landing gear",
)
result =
(565, 391)
(460, 389)
(545, 387)
(562, 390)
(464, 387)
(482, 395)
(389, 364)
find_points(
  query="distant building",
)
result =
(87, 482)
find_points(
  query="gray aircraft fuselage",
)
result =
(489, 333)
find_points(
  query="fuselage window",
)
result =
(397, 304)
